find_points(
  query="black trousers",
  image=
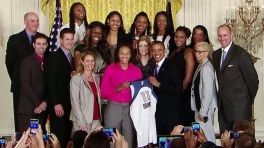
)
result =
(224, 124)
(164, 129)
(24, 120)
(61, 127)
(15, 108)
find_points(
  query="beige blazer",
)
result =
(82, 99)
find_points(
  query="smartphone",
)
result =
(18, 136)
(34, 123)
(109, 131)
(46, 137)
(185, 129)
(2, 141)
(164, 141)
(195, 127)
(234, 135)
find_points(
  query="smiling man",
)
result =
(20, 46)
(58, 75)
(237, 80)
(33, 100)
(167, 82)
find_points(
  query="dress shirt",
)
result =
(40, 59)
(114, 76)
(160, 63)
(66, 52)
(226, 50)
(30, 36)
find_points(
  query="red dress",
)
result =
(96, 113)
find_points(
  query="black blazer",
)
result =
(58, 76)
(18, 47)
(169, 94)
(33, 90)
(237, 81)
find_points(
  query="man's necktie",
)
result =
(70, 58)
(42, 65)
(155, 72)
(223, 58)
(31, 39)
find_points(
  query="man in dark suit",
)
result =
(237, 80)
(168, 87)
(18, 47)
(58, 76)
(33, 100)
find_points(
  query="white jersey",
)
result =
(142, 112)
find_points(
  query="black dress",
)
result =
(146, 70)
(188, 113)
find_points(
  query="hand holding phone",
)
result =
(109, 131)
(185, 129)
(47, 138)
(234, 135)
(195, 127)
(2, 141)
(34, 123)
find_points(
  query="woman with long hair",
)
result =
(78, 24)
(144, 60)
(115, 34)
(162, 32)
(94, 41)
(199, 34)
(115, 87)
(85, 95)
(141, 27)
(184, 57)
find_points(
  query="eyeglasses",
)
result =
(199, 52)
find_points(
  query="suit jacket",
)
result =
(207, 90)
(18, 47)
(238, 83)
(58, 75)
(82, 99)
(33, 91)
(170, 94)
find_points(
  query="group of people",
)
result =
(98, 61)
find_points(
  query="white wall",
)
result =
(11, 21)
(210, 13)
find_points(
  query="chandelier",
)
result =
(247, 24)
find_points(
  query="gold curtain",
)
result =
(97, 10)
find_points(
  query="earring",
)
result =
(135, 32)
(146, 32)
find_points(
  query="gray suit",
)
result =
(82, 101)
(238, 86)
(207, 93)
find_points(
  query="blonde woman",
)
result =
(85, 95)
(203, 92)
(143, 60)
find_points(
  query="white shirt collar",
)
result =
(161, 62)
(227, 48)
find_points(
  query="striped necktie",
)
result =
(223, 58)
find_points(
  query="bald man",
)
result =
(237, 80)
(20, 46)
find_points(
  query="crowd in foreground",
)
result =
(242, 136)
